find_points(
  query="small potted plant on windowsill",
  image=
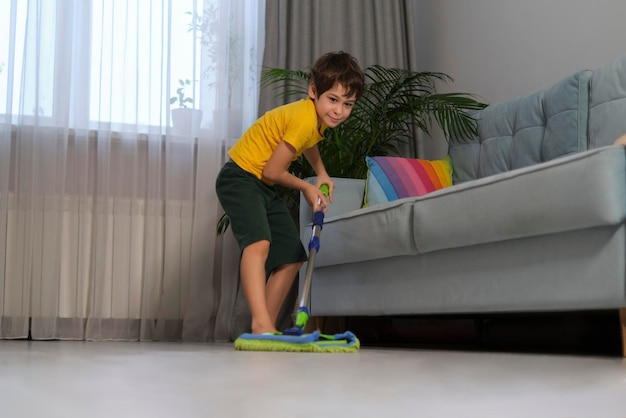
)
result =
(185, 119)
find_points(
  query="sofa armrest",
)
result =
(348, 196)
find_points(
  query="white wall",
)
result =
(500, 49)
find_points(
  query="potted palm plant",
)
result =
(185, 119)
(396, 104)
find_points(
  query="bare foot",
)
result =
(263, 328)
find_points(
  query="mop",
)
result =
(294, 338)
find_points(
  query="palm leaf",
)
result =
(286, 83)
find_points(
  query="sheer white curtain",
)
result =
(107, 209)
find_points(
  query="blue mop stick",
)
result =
(302, 314)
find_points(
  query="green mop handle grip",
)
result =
(324, 189)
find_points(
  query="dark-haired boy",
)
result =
(271, 250)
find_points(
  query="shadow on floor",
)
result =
(585, 333)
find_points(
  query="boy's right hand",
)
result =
(313, 195)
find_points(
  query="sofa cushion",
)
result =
(526, 130)
(531, 201)
(392, 178)
(580, 191)
(379, 231)
(607, 108)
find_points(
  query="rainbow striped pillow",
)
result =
(391, 178)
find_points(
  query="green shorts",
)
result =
(257, 213)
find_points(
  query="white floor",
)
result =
(115, 379)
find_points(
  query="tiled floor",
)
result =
(125, 379)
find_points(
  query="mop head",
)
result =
(314, 342)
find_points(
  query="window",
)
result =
(98, 61)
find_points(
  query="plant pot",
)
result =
(186, 121)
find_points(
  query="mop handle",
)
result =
(324, 190)
(318, 221)
(314, 246)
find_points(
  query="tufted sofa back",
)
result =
(583, 111)
(607, 104)
(527, 130)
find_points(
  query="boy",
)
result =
(267, 235)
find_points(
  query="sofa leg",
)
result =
(622, 319)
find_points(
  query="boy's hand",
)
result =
(324, 179)
(321, 180)
(314, 195)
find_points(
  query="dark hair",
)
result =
(337, 67)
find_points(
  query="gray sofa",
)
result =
(534, 221)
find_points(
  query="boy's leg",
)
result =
(244, 198)
(285, 258)
(252, 271)
(278, 287)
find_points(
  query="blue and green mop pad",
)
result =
(314, 342)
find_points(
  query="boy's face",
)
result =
(333, 106)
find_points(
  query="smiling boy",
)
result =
(271, 250)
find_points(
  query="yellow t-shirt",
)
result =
(294, 123)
